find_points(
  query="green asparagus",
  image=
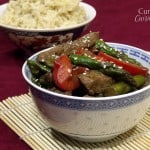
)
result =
(36, 68)
(117, 89)
(105, 67)
(140, 80)
(102, 46)
(123, 88)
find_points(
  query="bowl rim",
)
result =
(84, 98)
(83, 4)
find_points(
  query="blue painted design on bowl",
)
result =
(89, 105)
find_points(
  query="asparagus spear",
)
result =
(102, 46)
(122, 87)
(46, 80)
(41, 74)
(36, 68)
(140, 80)
(117, 89)
(105, 67)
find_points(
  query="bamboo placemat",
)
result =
(21, 115)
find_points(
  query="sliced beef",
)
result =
(95, 82)
(66, 48)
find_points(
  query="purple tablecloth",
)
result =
(119, 21)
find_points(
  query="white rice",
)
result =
(43, 14)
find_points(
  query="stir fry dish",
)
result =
(88, 66)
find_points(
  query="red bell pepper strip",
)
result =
(85, 52)
(79, 70)
(89, 53)
(131, 68)
(62, 74)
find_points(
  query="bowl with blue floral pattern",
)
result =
(87, 118)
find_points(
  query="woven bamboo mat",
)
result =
(21, 115)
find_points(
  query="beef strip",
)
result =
(95, 82)
(85, 41)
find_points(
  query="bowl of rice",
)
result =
(35, 25)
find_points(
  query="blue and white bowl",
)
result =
(33, 40)
(92, 119)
